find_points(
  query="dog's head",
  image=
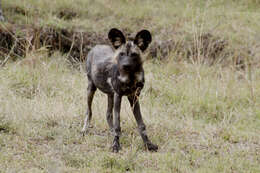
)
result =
(128, 52)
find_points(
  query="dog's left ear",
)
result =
(143, 39)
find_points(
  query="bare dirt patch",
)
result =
(205, 48)
(75, 43)
(17, 41)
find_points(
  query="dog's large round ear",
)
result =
(143, 39)
(116, 37)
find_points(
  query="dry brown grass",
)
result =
(204, 118)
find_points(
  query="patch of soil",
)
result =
(161, 48)
(205, 45)
(17, 41)
(205, 48)
(11, 45)
(75, 43)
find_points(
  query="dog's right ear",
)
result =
(116, 37)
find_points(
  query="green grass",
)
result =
(204, 118)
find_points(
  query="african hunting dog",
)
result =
(118, 72)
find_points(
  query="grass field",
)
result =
(204, 118)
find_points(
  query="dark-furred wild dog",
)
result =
(118, 72)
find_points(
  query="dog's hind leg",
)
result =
(109, 115)
(90, 94)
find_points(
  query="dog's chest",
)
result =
(134, 86)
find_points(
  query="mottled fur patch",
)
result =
(115, 58)
(109, 82)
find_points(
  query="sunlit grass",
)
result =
(203, 118)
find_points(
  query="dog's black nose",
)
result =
(127, 67)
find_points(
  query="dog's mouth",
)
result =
(127, 68)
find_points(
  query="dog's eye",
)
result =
(122, 54)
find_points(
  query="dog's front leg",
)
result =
(117, 128)
(141, 126)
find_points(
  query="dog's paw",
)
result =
(152, 147)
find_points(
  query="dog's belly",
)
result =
(104, 86)
(101, 76)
